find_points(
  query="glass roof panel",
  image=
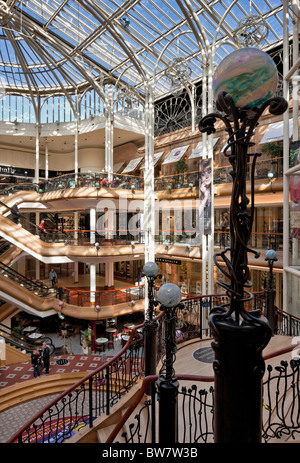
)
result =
(50, 43)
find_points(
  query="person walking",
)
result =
(53, 277)
(46, 358)
(35, 360)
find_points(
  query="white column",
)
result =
(109, 275)
(76, 148)
(210, 154)
(204, 253)
(76, 265)
(92, 225)
(286, 212)
(92, 282)
(46, 160)
(92, 266)
(109, 117)
(37, 154)
(149, 196)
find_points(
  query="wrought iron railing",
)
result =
(281, 409)
(89, 398)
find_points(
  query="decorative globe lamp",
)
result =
(249, 75)
(243, 85)
(150, 269)
(271, 255)
(169, 295)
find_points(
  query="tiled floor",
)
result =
(11, 420)
(12, 374)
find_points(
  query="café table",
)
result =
(101, 343)
(124, 339)
(29, 329)
(35, 336)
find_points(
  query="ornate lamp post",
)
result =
(270, 290)
(239, 335)
(150, 270)
(169, 295)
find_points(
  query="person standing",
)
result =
(15, 213)
(42, 230)
(35, 360)
(46, 358)
(53, 277)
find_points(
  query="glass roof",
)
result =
(48, 46)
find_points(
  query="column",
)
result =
(92, 225)
(92, 283)
(109, 275)
(92, 266)
(37, 154)
(46, 160)
(109, 118)
(149, 197)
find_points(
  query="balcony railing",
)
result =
(167, 182)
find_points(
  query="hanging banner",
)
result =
(132, 165)
(295, 185)
(197, 152)
(205, 191)
(156, 158)
(176, 154)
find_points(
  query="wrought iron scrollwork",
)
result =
(240, 125)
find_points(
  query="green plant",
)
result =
(272, 149)
(18, 330)
(181, 166)
(87, 336)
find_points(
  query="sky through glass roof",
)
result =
(46, 45)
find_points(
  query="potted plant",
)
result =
(87, 338)
(18, 331)
(272, 149)
(181, 166)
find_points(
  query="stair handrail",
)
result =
(18, 435)
(35, 226)
(39, 284)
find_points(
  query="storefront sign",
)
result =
(168, 261)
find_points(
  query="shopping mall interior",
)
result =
(136, 133)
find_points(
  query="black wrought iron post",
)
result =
(270, 291)
(239, 335)
(150, 270)
(167, 384)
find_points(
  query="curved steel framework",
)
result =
(50, 46)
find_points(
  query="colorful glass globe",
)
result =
(249, 75)
(169, 295)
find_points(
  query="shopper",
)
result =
(42, 230)
(35, 360)
(53, 277)
(15, 213)
(46, 358)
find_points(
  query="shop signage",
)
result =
(168, 261)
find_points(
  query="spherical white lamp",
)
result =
(150, 269)
(169, 295)
(271, 255)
